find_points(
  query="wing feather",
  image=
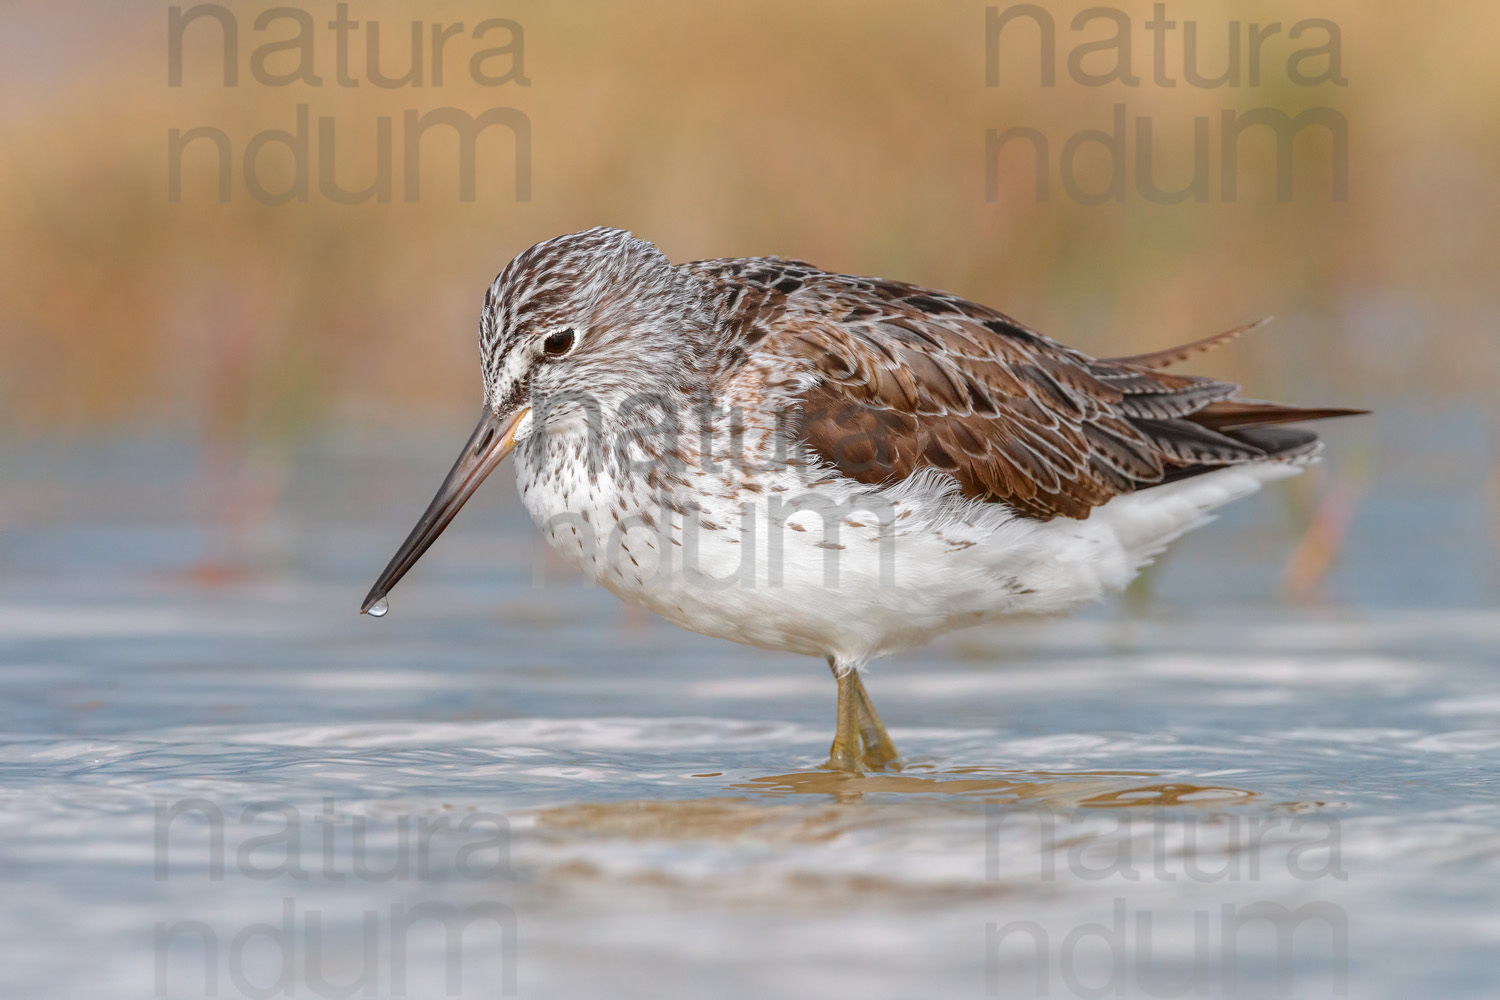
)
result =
(907, 378)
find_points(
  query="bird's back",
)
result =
(905, 378)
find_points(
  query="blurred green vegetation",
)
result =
(849, 134)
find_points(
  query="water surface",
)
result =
(223, 781)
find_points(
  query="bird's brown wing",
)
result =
(910, 378)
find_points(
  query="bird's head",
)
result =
(573, 330)
(597, 313)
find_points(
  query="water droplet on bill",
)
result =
(379, 608)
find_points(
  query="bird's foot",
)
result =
(866, 758)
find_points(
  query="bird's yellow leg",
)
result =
(879, 752)
(860, 742)
(844, 755)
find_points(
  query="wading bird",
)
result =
(762, 451)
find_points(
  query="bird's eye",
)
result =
(558, 343)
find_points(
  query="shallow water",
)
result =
(246, 788)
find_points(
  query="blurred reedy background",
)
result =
(849, 134)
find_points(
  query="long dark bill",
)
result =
(491, 441)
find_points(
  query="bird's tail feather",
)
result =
(1148, 520)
